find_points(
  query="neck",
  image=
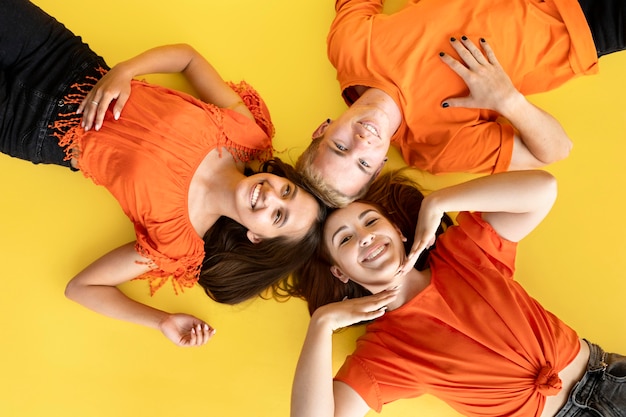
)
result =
(410, 284)
(213, 191)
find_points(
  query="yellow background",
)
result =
(59, 359)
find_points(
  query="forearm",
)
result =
(162, 59)
(540, 132)
(95, 287)
(111, 302)
(511, 192)
(182, 58)
(312, 393)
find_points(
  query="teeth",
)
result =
(375, 253)
(370, 128)
(255, 195)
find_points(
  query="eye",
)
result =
(287, 190)
(278, 216)
(364, 163)
(340, 147)
(371, 221)
(344, 240)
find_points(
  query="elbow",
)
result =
(549, 187)
(71, 290)
(562, 151)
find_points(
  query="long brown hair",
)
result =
(235, 269)
(399, 199)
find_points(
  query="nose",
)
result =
(362, 138)
(367, 239)
(270, 195)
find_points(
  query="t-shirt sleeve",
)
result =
(377, 375)
(472, 145)
(474, 242)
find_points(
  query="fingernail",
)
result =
(117, 115)
(193, 330)
(452, 39)
(441, 54)
(206, 326)
(464, 37)
(444, 105)
(327, 120)
(483, 40)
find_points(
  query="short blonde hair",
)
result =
(316, 183)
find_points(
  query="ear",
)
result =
(253, 237)
(338, 273)
(321, 129)
(404, 239)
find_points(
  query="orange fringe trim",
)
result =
(65, 128)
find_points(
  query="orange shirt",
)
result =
(540, 44)
(148, 157)
(473, 337)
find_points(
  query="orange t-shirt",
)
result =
(473, 337)
(540, 44)
(147, 159)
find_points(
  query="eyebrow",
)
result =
(360, 217)
(341, 154)
(293, 197)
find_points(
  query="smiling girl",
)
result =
(459, 326)
(175, 164)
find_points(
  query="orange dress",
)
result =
(473, 337)
(540, 44)
(147, 159)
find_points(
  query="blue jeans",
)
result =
(40, 61)
(602, 390)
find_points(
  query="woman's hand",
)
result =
(490, 87)
(114, 85)
(428, 221)
(185, 330)
(351, 311)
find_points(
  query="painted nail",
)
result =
(444, 105)
(464, 37)
(452, 39)
(441, 54)
(483, 40)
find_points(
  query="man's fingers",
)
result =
(461, 70)
(476, 53)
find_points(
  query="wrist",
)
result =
(512, 105)
(321, 320)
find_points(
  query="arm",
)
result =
(95, 288)
(115, 85)
(541, 139)
(314, 393)
(514, 203)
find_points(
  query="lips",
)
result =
(254, 197)
(375, 252)
(370, 128)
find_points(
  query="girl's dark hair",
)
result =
(399, 199)
(235, 269)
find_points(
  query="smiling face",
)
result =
(270, 206)
(353, 149)
(365, 247)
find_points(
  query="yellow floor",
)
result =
(59, 359)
